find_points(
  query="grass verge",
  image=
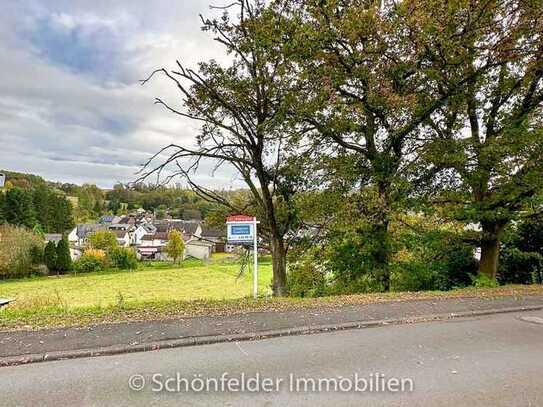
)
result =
(59, 315)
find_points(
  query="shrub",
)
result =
(36, 254)
(92, 260)
(518, 267)
(413, 276)
(484, 281)
(434, 256)
(363, 284)
(305, 279)
(18, 252)
(442, 268)
(124, 258)
(521, 257)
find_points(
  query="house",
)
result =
(79, 235)
(123, 237)
(157, 239)
(216, 236)
(186, 227)
(129, 219)
(191, 228)
(142, 230)
(152, 245)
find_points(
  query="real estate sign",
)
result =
(240, 232)
(241, 229)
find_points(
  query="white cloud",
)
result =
(67, 115)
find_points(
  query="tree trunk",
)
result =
(490, 248)
(279, 267)
(382, 250)
(381, 254)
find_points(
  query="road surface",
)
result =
(494, 360)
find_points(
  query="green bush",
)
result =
(304, 279)
(124, 258)
(414, 276)
(88, 264)
(19, 252)
(433, 257)
(518, 267)
(363, 284)
(443, 269)
(521, 257)
(36, 254)
(483, 281)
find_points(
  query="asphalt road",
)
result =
(489, 361)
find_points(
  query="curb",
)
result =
(207, 340)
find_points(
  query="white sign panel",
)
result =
(240, 232)
(2, 180)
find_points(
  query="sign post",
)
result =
(242, 229)
(255, 268)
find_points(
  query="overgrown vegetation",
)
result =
(21, 252)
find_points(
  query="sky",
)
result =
(71, 105)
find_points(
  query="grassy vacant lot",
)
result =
(160, 291)
(158, 282)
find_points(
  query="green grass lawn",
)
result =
(159, 282)
(161, 291)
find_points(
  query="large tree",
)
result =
(241, 107)
(370, 78)
(489, 137)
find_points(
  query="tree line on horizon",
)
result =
(37, 201)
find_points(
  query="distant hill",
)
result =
(19, 179)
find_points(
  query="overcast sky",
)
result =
(71, 107)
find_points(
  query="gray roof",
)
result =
(107, 218)
(208, 231)
(119, 233)
(200, 242)
(53, 237)
(187, 227)
(86, 229)
(149, 227)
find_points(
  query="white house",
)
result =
(123, 237)
(78, 236)
(142, 230)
